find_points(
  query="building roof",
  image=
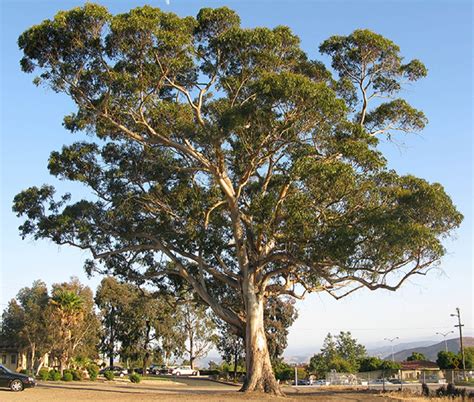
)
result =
(419, 365)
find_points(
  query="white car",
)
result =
(184, 370)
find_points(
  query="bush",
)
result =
(67, 376)
(135, 378)
(54, 375)
(209, 372)
(425, 390)
(451, 391)
(109, 375)
(93, 371)
(283, 371)
(44, 374)
(77, 375)
(26, 372)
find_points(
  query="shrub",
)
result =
(135, 378)
(451, 391)
(44, 374)
(26, 372)
(209, 372)
(93, 371)
(109, 375)
(76, 375)
(54, 375)
(425, 390)
(67, 376)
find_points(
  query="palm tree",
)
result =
(68, 306)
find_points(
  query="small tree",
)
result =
(341, 353)
(24, 323)
(73, 324)
(231, 346)
(198, 328)
(448, 360)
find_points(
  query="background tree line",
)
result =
(126, 322)
(57, 326)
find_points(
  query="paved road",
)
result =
(200, 381)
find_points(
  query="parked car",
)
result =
(397, 381)
(184, 370)
(117, 370)
(160, 369)
(15, 381)
(302, 382)
(321, 382)
(380, 381)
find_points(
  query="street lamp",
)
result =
(458, 315)
(391, 342)
(444, 335)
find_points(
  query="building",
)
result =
(421, 370)
(10, 356)
(15, 358)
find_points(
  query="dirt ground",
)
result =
(154, 391)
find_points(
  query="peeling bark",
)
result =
(260, 376)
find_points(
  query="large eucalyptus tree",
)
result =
(228, 158)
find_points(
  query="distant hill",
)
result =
(381, 351)
(431, 351)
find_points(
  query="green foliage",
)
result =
(109, 375)
(26, 371)
(43, 374)
(232, 152)
(279, 315)
(231, 347)
(25, 321)
(469, 357)
(73, 323)
(448, 360)
(341, 353)
(198, 327)
(302, 373)
(93, 371)
(133, 317)
(371, 363)
(77, 375)
(416, 356)
(283, 371)
(451, 360)
(67, 376)
(54, 375)
(135, 378)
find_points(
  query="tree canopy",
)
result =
(227, 157)
(60, 326)
(416, 356)
(341, 353)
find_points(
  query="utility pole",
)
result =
(445, 335)
(458, 314)
(391, 342)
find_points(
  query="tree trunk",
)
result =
(40, 365)
(112, 338)
(259, 376)
(236, 357)
(33, 353)
(191, 349)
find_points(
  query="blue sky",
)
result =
(437, 32)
